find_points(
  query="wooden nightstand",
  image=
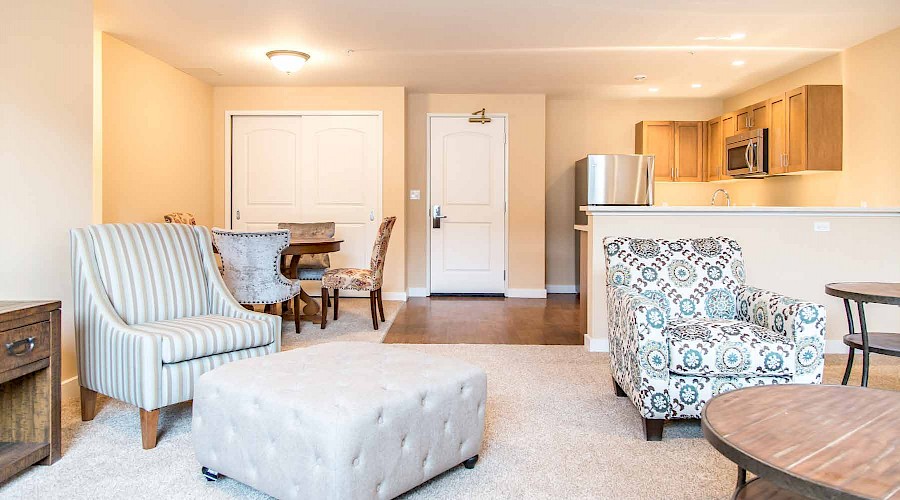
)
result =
(29, 385)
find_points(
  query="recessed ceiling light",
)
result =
(737, 63)
(288, 61)
(737, 36)
(696, 85)
(653, 89)
(640, 77)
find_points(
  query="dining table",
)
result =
(297, 247)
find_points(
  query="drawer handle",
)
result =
(11, 347)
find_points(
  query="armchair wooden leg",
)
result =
(380, 306)
(337, 302)
(372, 306)
(619, 391)
(88, 404)
(325, 307)
(653, 429)
(297, 313)
(149, 423)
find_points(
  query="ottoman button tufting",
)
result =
(356, 461)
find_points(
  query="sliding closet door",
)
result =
(266, 170)
(340, 181)
(311, 168)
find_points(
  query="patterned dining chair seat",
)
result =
(350, 279)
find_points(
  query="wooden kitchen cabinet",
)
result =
(677, 146)
(777, 140)
(715, 143)
(689, 151)
(752, 117)
(813, 128)
(657, 139)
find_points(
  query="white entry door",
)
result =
(311, 168)
(468, 202)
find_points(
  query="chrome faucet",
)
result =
(716, 193)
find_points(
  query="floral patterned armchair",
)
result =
(683, 327)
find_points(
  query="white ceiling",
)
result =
(558, 47)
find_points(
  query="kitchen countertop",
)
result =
(720, 210)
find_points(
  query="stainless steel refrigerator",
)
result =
(612, 180)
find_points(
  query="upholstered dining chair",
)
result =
(684, 327)
(366, 280)
(152, 314)
(180, 218)
(252, 269)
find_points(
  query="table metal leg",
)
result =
(865, 338)
(850, 329)
(741, 482)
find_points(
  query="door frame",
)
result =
(229, 116)
(428, 117)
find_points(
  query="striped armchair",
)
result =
(152, 314)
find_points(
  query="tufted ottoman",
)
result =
(342, 420)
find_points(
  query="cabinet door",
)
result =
(689, 151)
(777, 122)
(759, 115)
(658, 139)
(714, 144)
(742, 120)
(728, 130)
(795, 129)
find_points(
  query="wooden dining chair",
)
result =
(366, 280)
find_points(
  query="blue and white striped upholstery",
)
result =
(136, 285)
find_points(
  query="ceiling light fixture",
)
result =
(640, 77)
(653, 89)
(696, 85)
(289, 61)
(737, 36)
(737, 63)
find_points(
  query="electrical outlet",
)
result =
(414, 194)
(821, 227)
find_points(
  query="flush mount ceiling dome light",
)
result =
(289, 61)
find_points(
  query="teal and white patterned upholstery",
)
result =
(683, 326)
(152, 313)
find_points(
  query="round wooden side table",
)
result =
(866, 341)
(808, 441)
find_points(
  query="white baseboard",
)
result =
(401, 296)
(595, 345)
(527, 293)
(417, 292)
(69, 389)
(562, 289)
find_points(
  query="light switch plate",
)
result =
(821, 227)
(414, 194)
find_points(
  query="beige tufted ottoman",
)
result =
(342, 420)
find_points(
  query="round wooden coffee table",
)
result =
(816, 441)
(866, 341)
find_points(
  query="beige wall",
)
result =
(389, 100)
(156, 138)
(781, 252)
(526, 180)
(870, 75)
(579, 127)
(45, 150)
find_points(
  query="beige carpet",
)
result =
(554, 430)
(354, 324)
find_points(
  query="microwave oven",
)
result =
(747, 154)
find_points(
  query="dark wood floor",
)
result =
(488, 320)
